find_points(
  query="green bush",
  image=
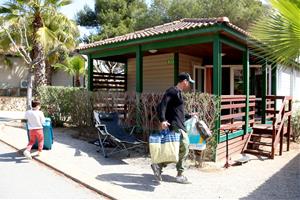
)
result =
(65, 104)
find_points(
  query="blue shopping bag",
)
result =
(197, 141)
(164, 146)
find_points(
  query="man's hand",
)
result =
(194, 115)
(164, 124)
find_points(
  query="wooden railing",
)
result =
(233, 111)
(279, 118)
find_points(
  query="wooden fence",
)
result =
(109, 82)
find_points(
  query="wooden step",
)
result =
(261, 135)
(260, 143)
(258, 152)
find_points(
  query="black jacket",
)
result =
(171, 109)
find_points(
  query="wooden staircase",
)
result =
(266, 138)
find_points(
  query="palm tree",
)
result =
(25, 26)
(74, 66)
(279, 32)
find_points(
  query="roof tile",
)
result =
(175, 26)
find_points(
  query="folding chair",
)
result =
(110, 131)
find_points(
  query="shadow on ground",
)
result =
(16, 157)
(142, 182)
(66, 137)
(285, 183)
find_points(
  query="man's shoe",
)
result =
(182, 179)
(27, 154)
(156, 171)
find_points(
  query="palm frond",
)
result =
(279, 31)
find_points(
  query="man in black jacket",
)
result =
(172, 116)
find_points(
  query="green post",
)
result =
(264, 92)
(217, 78)
(246, 69)
(126, 74)
(90, 73)
(139, 84)
(176, 67)
(274, 80)
(139, 70)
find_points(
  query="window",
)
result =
(199, 77)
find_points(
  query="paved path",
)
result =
(131, 178)
(21, 178)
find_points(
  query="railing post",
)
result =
(289, 126)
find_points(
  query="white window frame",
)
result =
(194, 76)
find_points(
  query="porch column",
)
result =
(90, 73)
(217, 77)
(126, 74)
(274, 79)
(139, 83)
(176, 67)
(246, 69)
(264, 92)
(139, 70)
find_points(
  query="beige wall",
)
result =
(61, 78)
(187, 62)
(158, 71)
(10, 76)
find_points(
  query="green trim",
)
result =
(234, 32)
(217, 76)
(176, 67)
(264, 92)
(274, 80)
(155, 45)
(90, 73)
(178, 42)
(139, 70)
(246, 70)
(114, 52)
(232, 43)
(233, 135)
(172, 35)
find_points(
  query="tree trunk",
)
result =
(77, 80)
(49, 72)
(37, 54)
(30, 78)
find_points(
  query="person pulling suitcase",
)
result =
(35, 120)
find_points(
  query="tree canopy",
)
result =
(117, 17)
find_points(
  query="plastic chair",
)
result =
(110, 131)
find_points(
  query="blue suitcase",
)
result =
(48, 135)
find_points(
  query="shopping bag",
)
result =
(203, 129)
(164, 146)
(196, 138)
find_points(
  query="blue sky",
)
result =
(72, 9)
